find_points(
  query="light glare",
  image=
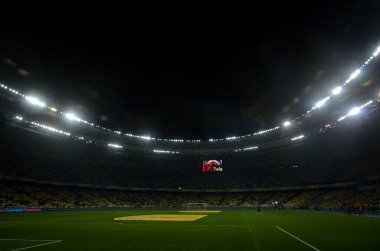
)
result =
(355, 74)
(376, 52)
(321, 102)
(115, 146)
(354, 111)
(35, 101)
(287, 123)
(71, 116)
(298, 137)
(337, 90)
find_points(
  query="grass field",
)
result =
(227, 230)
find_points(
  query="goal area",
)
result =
(196, 206)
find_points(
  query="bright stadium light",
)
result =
(160, 151)
(165, 151)
(298, 137)
(376, 52)
(52, 129)
(250, 148)
(353, 75)
(35, 101)
(231, 138)
(145, 137)
(19, 118)
(337, 90)
(334, 92)
(115, 146)
(321, 102)
(287, 123)
(71, 116)
(354, 111)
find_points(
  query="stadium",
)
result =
(73, 178)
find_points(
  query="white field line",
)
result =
(34, 246)
(48, 242)
(298, 239)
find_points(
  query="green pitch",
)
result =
(227, 230)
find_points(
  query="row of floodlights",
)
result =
(354, 111)
(72, 117)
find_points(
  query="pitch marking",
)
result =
(49, 242)
(298, 239)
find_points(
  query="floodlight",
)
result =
(355, 74)
(71, 116)
(376, 52)
(337, 90)
(354, 111)
(287, 123)
(35, 101)
(298, 137)
(321, 102)
(115, 146)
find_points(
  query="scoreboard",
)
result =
(212, 166)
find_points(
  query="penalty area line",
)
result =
(298, 239)
(48, 242)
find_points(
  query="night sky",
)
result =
(194, 75)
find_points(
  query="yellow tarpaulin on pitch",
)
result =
(162, 217)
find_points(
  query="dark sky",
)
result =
(193, 75)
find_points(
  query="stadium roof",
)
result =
(195, 81)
